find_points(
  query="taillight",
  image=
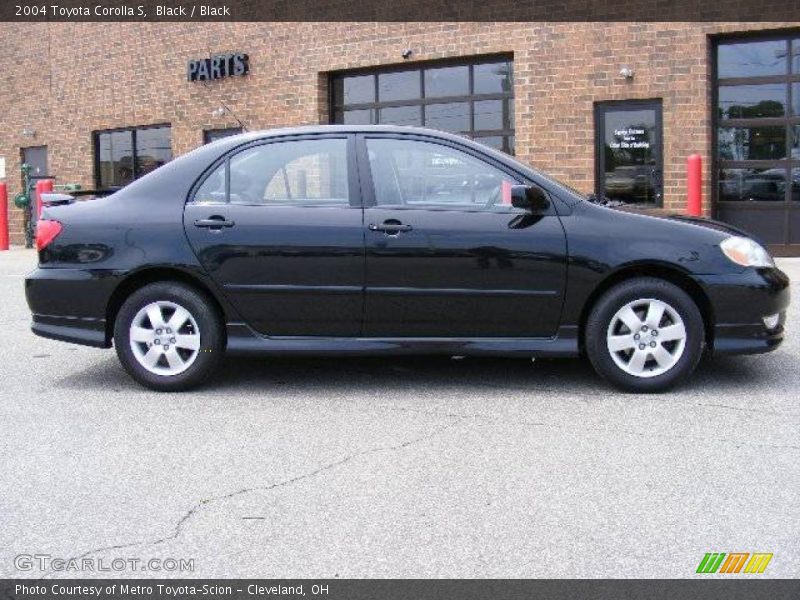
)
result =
(46, 232)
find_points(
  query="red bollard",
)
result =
(3, 216)
(43, 186)
(694, 185)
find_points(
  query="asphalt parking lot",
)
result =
(413, 467)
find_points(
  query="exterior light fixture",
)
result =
(218, 112)
(28, 132)
(626, 72)
(407, 53)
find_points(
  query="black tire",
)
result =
(211, 336)
(614, 300)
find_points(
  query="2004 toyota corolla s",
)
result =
(386, 240)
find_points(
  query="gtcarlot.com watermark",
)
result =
(50, 563)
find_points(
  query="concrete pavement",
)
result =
(413, 467)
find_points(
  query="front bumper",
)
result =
(740, 302)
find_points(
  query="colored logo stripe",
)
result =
(710, 562)
(734, 562)
(758, 563)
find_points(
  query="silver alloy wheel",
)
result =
(646, 337)
(165, 338)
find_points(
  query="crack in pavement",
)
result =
(181, 523)
(494, 419)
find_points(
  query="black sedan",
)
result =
(386, 240)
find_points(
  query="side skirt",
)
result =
(242, 340)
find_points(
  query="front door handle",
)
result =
(390, 227)
(214, 222)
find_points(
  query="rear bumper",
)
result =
(76, 330)
(69, 304)
(740, 303)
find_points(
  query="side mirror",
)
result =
(529, 197)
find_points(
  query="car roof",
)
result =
(316, 129)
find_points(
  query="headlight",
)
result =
(744, 251)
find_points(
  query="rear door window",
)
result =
(298, 173)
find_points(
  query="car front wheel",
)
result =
(645, 335)
(168, 336)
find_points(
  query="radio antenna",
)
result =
(226, 108)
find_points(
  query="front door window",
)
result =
(629, 140)
(417, 174)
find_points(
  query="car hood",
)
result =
(711, 224)
(618, 237)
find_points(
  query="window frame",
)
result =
(507, 98)
(353, 184)
(368, 185)
(788, 121)
(134, 150)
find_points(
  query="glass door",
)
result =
(757, 138)
(628, 138)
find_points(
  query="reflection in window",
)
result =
(125, 155)
(630, 151)
(448, 117)
(410, 116)
(752, 185)
(489, 115)
(757, 120)
(403, 85)
(494, 78)
(305, 172)
(796, 99)
(473, 99)
(115, 159)
(752, 143)
(362, 116)
(356, 90)
(428, 175)
(153, 149)
(752, 59)
(752, 101)
(212, 190)
(796, 56)
(447, 81)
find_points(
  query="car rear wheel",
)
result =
(168, 336)
(645, 335)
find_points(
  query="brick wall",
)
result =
(65, 80)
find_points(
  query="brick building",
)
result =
(612, 108)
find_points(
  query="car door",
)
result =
(446, 253)
(278, 226)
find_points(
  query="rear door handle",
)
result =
(390, 227)
(214, 222)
